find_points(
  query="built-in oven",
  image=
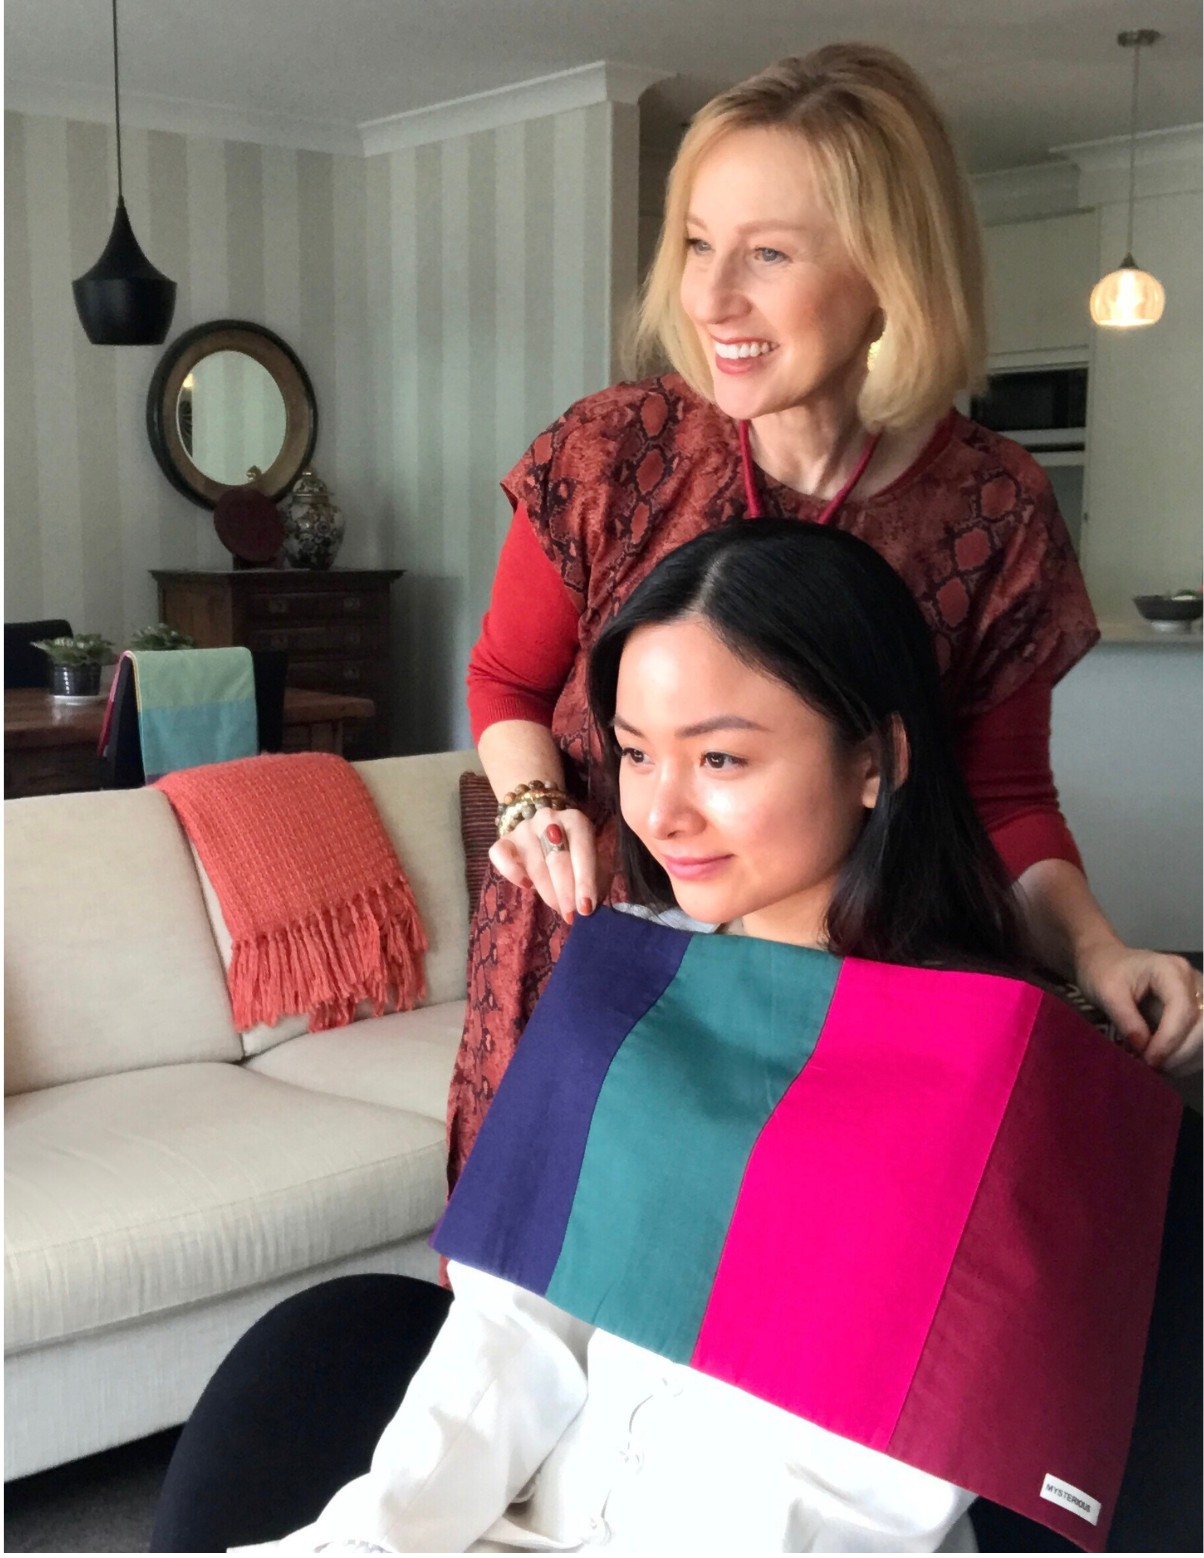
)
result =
(1041, 408)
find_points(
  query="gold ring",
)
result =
(550, 848)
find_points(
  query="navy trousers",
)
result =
(295, 1411)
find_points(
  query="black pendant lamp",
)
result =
(123, 300)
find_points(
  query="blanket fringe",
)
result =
(369, 947)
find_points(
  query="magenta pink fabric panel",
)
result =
(829, 1280)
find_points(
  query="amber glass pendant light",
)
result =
(123, 300)
(1129, 297)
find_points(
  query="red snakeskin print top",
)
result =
(626, 475)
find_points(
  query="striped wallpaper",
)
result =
(489, 286)
(448, 301)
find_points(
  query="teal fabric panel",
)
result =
(195, 706)
(719, 1049)
(176, 678)
(204, 733)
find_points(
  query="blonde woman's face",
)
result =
(782, 314)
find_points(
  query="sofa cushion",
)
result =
(363, 1061)
(478, 831)
(417, 798)
(110, 962)
(132, 1195)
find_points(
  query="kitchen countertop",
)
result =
(1135, 630)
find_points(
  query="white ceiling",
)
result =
(1016, 77)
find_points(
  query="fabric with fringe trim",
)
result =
(319, 911)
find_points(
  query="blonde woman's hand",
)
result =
(555, 853)
(1154, 1000)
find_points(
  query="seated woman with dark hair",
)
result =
(800, 1219)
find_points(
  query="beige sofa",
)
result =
(167, 1178)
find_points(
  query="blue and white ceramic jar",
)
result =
(313, 523)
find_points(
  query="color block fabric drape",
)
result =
(917, 1207)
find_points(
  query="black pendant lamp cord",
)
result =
(117, 107)
(123, 300)
(1132, 136)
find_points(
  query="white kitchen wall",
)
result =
(1127, 753)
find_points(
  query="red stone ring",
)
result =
(552, 840)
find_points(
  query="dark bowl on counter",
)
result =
(1169, 612)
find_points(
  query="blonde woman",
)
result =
(818, 293)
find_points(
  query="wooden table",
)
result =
(50, 746)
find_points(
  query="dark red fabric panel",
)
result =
(1065, 1401)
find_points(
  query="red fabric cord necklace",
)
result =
(832, 508)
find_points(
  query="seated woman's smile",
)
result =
(744, 794)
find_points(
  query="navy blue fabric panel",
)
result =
(510, 1209)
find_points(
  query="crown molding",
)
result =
(1168, 162)
(605, 81)
(1093, 173)
(1019, 194)
(146, 111)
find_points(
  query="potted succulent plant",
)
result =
(160, 636)
(75, 663)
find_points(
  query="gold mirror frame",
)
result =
(291, 379)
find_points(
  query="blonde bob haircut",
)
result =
(901, 203)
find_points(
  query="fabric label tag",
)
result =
(1082, 1504)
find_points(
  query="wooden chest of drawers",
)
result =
(334, 626)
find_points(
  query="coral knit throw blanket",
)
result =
(313, 895)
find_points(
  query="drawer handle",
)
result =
(353, 638)
(351, 673)
(353, 603)
(278, 608)
(278, 640)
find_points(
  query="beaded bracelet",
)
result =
(522, 803)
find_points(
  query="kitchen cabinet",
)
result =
(1142, 480)
(1039, 278)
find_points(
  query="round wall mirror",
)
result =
(225, 397)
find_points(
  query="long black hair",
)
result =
(822, 612)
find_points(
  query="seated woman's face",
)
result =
(740, 790)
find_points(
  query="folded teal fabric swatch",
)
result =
(194, 706)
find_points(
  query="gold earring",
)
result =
(871, 356)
